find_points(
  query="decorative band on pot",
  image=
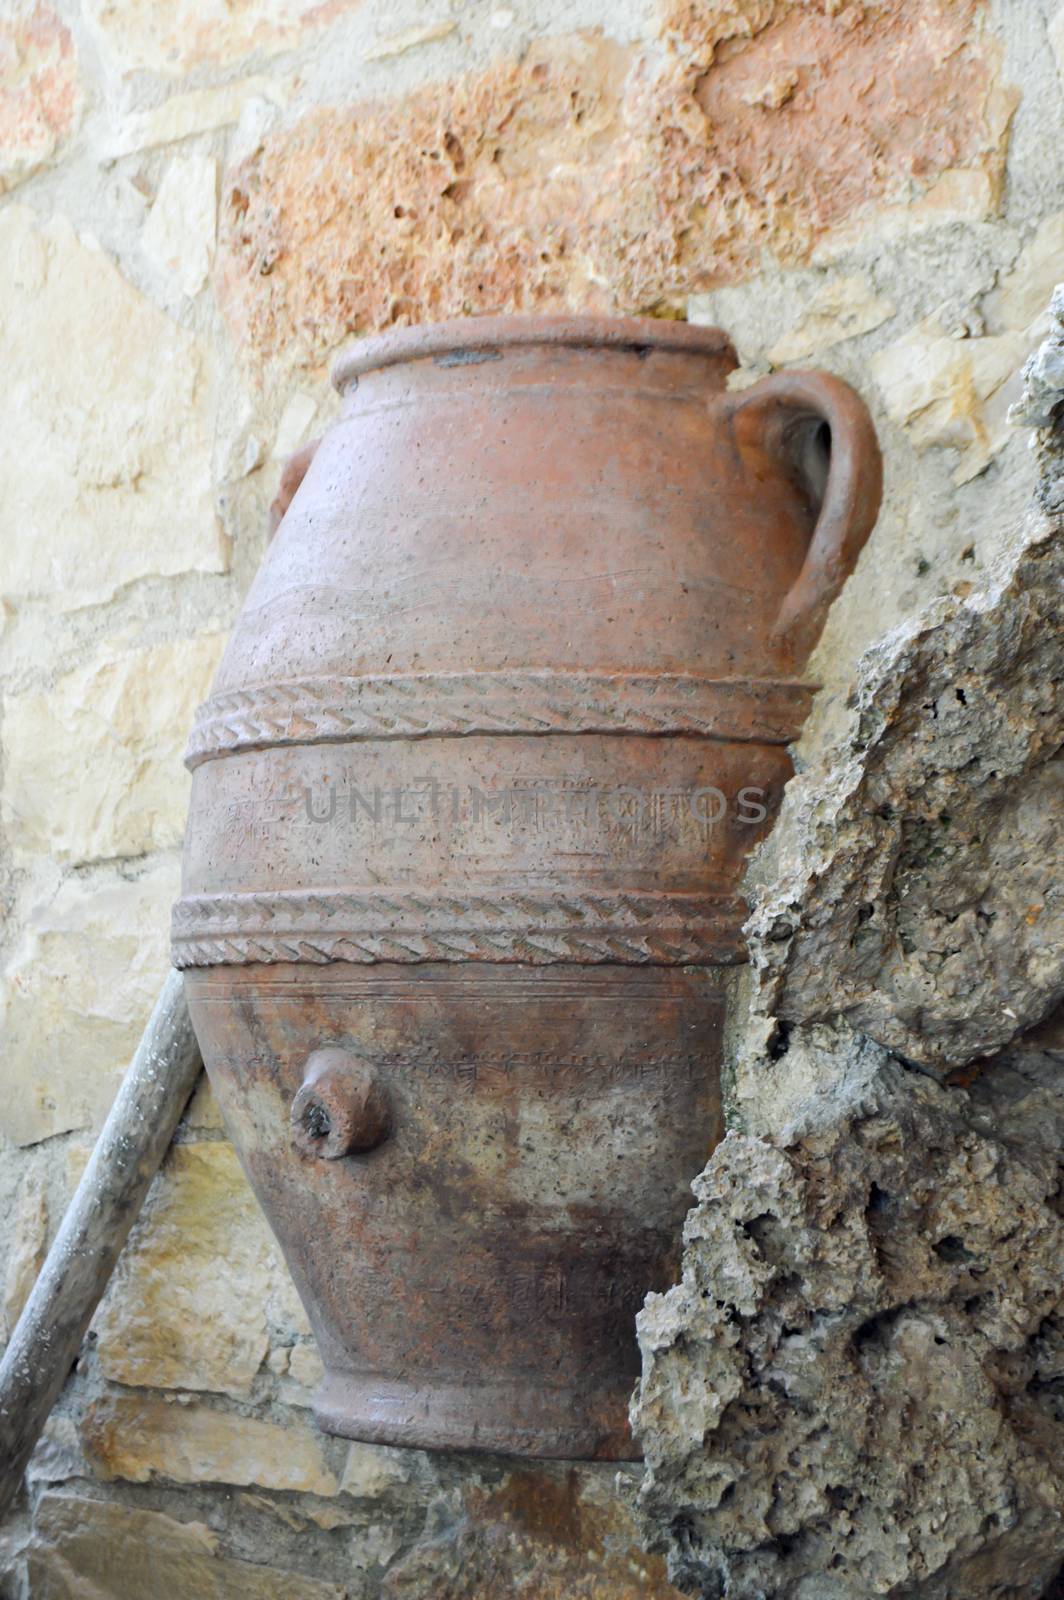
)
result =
(505, 711)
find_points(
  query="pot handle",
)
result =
(292, 474)
(772, 413)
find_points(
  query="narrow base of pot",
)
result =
(505, 1418)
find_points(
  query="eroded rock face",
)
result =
(856, 1388)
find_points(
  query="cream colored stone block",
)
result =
(143, 1438)
(296, 424)
(40, 91)
(184, 116)
(102, 1550)
(842, 309)
(942, 390)
(181, 227)
(105, 451)
(960, 194)
(305, 1365)
(27, 1242)
(75, 995)
(203, 1112)
(58, 1455)
(189, 1304)
(93, 766)
(172, 36)
(397, 44)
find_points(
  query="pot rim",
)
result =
(472, 334)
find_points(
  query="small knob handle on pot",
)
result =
(341, 1108)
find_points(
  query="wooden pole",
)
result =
(128, 1153)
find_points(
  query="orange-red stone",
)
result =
(591, 176)
(40, 95)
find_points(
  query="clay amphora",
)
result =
(505, 710)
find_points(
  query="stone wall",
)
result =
(200, 203)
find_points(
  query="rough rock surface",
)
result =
(201, 191)
(588, 174)
(927, 861)
(856, 1389)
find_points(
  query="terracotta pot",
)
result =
(505, 710)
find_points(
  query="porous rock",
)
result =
(192, 1298)
(591, 175)
(855, 1389)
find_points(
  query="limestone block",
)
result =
(587, 175)
(93, 766)
(77, 990)
(305, 1365)
(179, 233)
(105, 461)
(372, 1470)
(27, 1245)
(188, 1307)
(397, 44)
(296, 425)
(58, 1456)
(956, 393)
(959, 194)
(842, 308)
(204, 1114)
(40, 90)
(1056, 39)
(144, 1438)
(173, 36)
(100, 1550)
